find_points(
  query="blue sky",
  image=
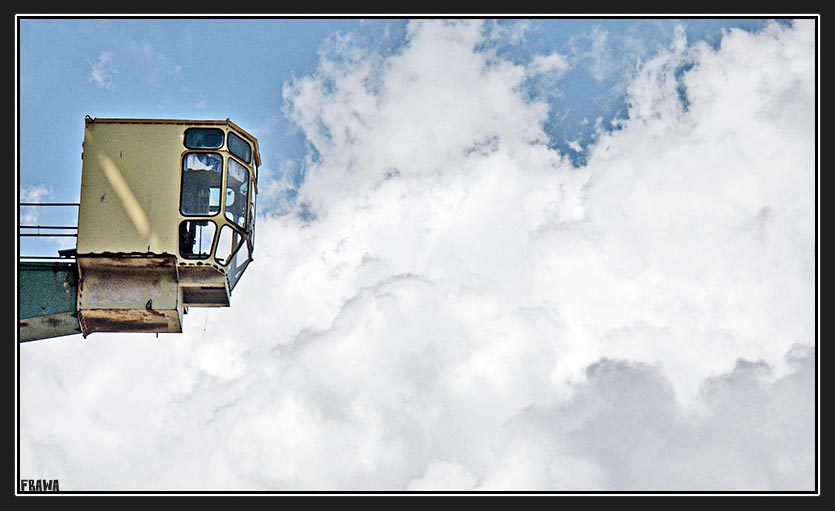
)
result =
(159, 68)
(219, 68)
(481, 244)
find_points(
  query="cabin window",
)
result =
(196, 237)
(202, 180)
(239, 147)
(240, 260)
(237, 188)
(203, 138)
(227, 244)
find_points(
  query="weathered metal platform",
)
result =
(48, 291)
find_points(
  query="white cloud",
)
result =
(444, 476)
(157, 65)
(102, 71)
(594, 48)
(551, 63)
(34, 194)
(462, 308)
(623, 429)
(705, 267)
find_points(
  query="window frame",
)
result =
(196, 257)
(196, 128)
(183, 188)
(229, 135)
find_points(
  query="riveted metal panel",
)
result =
(129, 293)
(47, 299)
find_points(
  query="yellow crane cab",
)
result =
(166, 220)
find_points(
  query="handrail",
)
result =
(47, 235)
(48, 227)
(68, 259)
(38, 228)
(49, 204)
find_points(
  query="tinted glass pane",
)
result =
(239, 147)
(196, 237)
(202, 179)
(237, 186)
(252, 221)
(240, 261)
(203, 138)
(227, 244)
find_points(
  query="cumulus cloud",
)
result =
(453, 305)
(623, 429)
(443, 475)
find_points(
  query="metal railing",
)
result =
(49, 231)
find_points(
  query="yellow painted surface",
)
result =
(128, 221)
(130, 188)
(130, 184)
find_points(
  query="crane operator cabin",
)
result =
(165, 221)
